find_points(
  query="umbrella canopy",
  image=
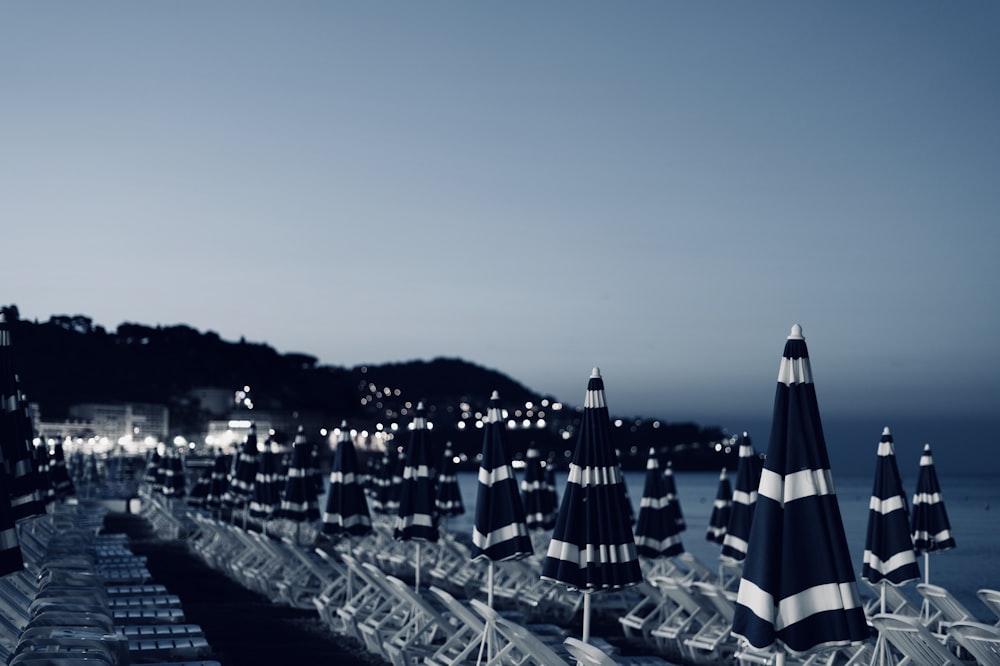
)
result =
(721, 508)
(889, 554)
(671, 486)
(16, 434)
(798, 588)
(417, 519)
(394, 473)
(299, 502)
(930, 527)
(592, 547)
(267, 482)
(219, 481)
(240, 489)
(46, 491)
(380, 479)
(198, 497)
(346, 507)
(539, 511)
(175, 478)
(500, 531)
(734, 544)
(657, 534)
(448, 497)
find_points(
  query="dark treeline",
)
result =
(68, 360)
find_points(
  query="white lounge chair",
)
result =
(914, 641)
(991, 599)
(980, 640)
(947, 608)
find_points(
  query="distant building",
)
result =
(214, 400)
(131, 419)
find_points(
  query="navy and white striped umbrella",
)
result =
(18, 464)
(539, 512)
(380, 479)
(500, 531)
(267, 483)
(394, 487)
(448, 496)
(889, 556)
(219, 481)
(198, 497)
(346, 507)
(929, 524)
(417, 519)
(62, 484)
(299, 501)
(734, 544)
(798, 589)
(721, 508)
(46, 491)
(671, 485)
(240, 489)
(593, 547)
(11, 559)
(657, 533)
(175, 483)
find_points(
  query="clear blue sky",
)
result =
(658, 188)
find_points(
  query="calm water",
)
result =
(973, 505)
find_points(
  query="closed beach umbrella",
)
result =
(394, 474)
(721, 508)
(299, 501)
(448, 496)
(16, 434)
(240, 489)
(929, 524)
(175, 484)
(671, 485)
(417, 519)
(592, 547)
(380, 479)
(734, 544)
(798, 589)
(657, 533)
(46, 491)
(266, 498)
(198, 497)
(219, 481)
(539, 512)
(500, 531)
(889, 556)
(346, 507)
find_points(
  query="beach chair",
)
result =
(425, 631)
(591, 655)
(369, 600)
(646, 614)
(896, 602)
(713, 641)
(463, 645)
(947, 608)
(980, 640)
(991, 599)
(683, 620)
(525, 647)
(914, 641)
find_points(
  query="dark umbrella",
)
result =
(175, 485)
(266, 496)
(500, 532)
(798, 588)
(219, 482)
(734, 544)
(721, 508)
(15, 437)
(240, 489)
(417, 520)
(657, 533)
(46, 491)
(889, 556)
(671, 486)
(448, 496)
(929, 524)
(592, 547)
(381, 479)
(198, 497)
(346, 508)
(539, 512)
(300, 502)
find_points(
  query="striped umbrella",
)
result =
(500, 531)
(929, 524)
(394, 475)
(798, 589)
(539, 514)
(46, 491)
(346, 507)
(267, 482)
(299, 501)
(592, 547)
(380, 479)
(15, 436)
(448, 496)
(198, 497)
(721, 508)
(418, 518)
(889, 556)
(175, 484)
(550, 496)
(240, 489)
(219, 482)
(734, 544)
(671, 486)
(657, 533)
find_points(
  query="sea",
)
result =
(972, 503)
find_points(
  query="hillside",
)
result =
(68, 360)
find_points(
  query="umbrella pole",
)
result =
(489, 584)
(925, 607)
(586, 617)
(779, 657)
(416, 584)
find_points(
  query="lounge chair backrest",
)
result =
(951, 608)
(981, 640)
(991, 598)
(914, 640)
(587, 654)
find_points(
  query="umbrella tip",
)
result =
(343, 424)
(885, 430)
(796, 333)
(495, 396)
(595, 373)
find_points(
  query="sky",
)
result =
(660, 189)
